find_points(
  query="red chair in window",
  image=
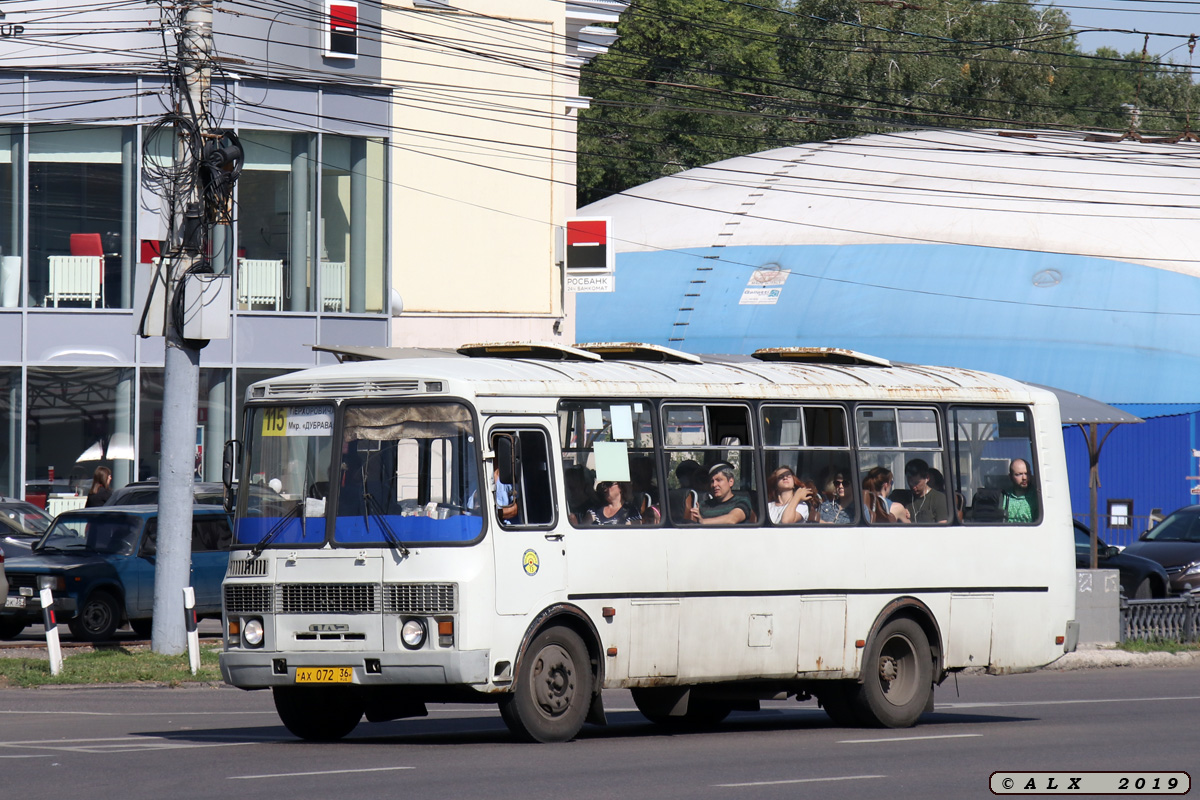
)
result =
(79, 276)
(86, 244)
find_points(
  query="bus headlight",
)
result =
(413, 634)
(252, 632)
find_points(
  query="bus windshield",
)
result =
(288, 452)
(408, 473)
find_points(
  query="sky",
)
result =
(1144, 16)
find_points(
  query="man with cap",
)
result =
(723, 507)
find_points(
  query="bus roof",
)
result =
(511, 374)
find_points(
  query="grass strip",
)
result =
(1158, 646)
(110, 665)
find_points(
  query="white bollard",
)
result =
(53, 648)
(193, 636)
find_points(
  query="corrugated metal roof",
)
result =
(938, 186)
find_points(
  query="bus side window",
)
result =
(993, 452)
(521, 472)
(610, 471)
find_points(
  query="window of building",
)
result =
(608, 460)
(353, 202)
(993, 454)
(1120, 513)
(213, 420)
(80, 204)
(10, 431)
(10, 217)
(275, 214)
(78, 418)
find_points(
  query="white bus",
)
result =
(528, 524)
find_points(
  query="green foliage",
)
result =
(690, 82)
(110, 665)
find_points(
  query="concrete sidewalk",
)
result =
(1095, 655)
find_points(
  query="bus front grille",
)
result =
(327, 598)
(420, 598)
(247, 598)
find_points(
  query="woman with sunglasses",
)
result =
(789, 500)
(836, 499)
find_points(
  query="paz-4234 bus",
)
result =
(528, 524)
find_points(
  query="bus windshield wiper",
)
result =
(371, 508)
(256, 551)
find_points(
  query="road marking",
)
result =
(1012, 703)
(796, 780)
(143, 713)
(113, 744)
(306, 774)
(948, 735)
(31, 755)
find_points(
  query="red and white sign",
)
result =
(589, 246)
(341, 38)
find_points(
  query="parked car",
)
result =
(3, 579)
(22, 523)
(1175, 543)
(1141, 578)
(100, 565)
(205, 494)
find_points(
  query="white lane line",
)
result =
(796, 780)
(142, 713)
(1013, 703)
(32, 755)
(306, 774)
(912, 738)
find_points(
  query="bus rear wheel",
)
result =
(897, 677)
(318, 713)
(553, 688)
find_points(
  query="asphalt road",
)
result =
(142, 743)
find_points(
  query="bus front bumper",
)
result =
(250, 669)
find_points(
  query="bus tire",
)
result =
(897, 676)
(553, 688)
(318, 713)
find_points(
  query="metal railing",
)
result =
(1176, 618)
(1121, 535)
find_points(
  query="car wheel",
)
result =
(97, 618)
(11, 629)
(1144, 590)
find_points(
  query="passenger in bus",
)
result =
(787, 502)
(506, 500)
(814, 498)
(723, 507)
(876, 506)
(926, 504)
(1020, 502)
(615, 507)
(937, 481)
(579, 497)
(835, 499)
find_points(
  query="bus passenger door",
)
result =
(530, 552)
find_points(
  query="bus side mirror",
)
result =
(506, 456)
(229, 461)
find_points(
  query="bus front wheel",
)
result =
(318, 713)
(897, 676)
(553, 688)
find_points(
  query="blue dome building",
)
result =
(1045, 256)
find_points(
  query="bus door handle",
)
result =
(554, 537)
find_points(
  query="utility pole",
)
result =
(181, 376)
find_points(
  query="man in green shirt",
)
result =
(1020, 501)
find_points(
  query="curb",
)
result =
(1104, 656)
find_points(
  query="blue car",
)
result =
(99, 562)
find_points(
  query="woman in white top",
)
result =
(788, 500)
